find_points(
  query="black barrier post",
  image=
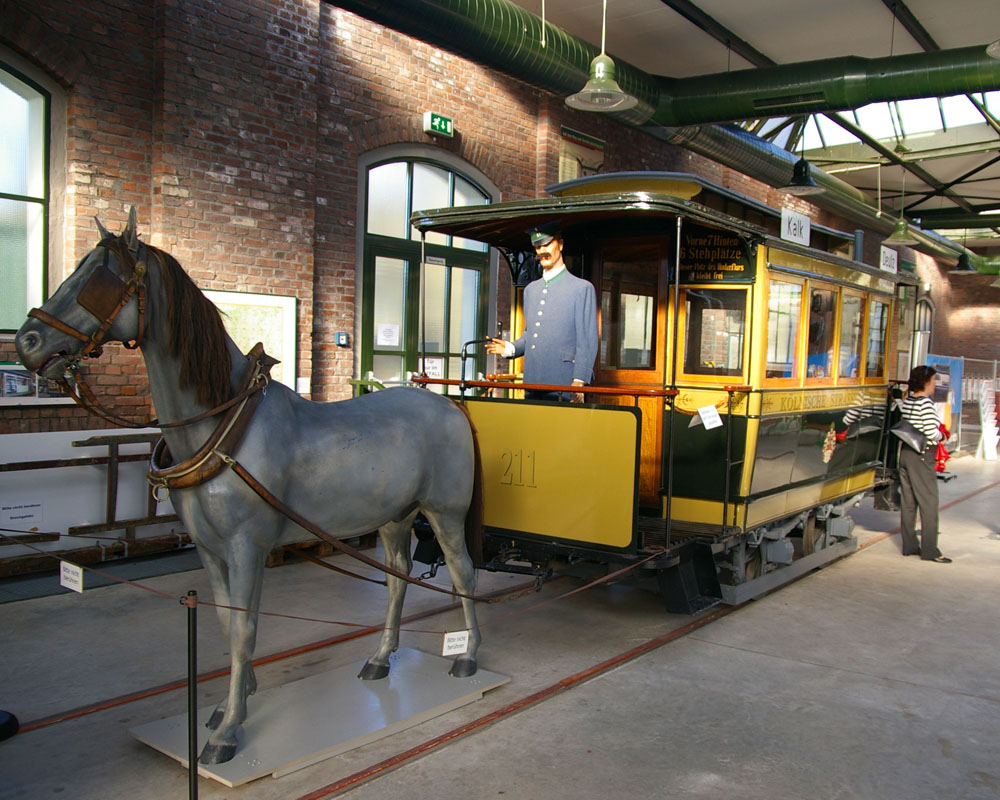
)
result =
(191, 601)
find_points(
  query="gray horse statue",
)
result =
(348, 467)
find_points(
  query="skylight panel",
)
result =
(876, 121)
(919, 116)
(959, 111)
(833, 134)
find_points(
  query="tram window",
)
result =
(822, 313)
(878, 321)
(628, 306)
(784, 309)
(714, 332)
(852, 320)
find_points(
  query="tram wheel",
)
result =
(812, 536)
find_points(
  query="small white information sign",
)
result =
(889, 260)
(71, 576)
(22, 513)
(433, 367)
(455, 643)
(387, 335)
(795, 227)
(710, 417)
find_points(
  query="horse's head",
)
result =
(102, 300)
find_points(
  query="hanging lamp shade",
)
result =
(993, 50)
(802, 182)
(602, 92)
(964, 264)
(901, 235)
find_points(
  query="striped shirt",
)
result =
(919, 412)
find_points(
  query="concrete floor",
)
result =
(876, 677)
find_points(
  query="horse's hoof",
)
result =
(217, 753)
(215, 719)
(463, 668)
(373, 672)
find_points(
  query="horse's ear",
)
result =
(129, 235)
(105, 233)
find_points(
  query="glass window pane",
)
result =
(783, 315)
(959, 111)
(822, 313)
(852, 317)
(993, 102)
(22, 137)
(435, 307)
(21, 260)
(877, 323)
(466, 194)
(388, 368)
(636, 312)
(464, 305)
(919, 116)
(875, 120)
(833, 134)
(714, 332)
(628, 306)
(431, 189)
(14, 142)
(390, 283)
(387, 195)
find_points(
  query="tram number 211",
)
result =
(518, 468)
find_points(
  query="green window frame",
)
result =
(416, 315)
(25, 109)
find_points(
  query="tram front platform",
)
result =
(877, 676)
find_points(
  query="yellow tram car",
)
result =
(740, 395)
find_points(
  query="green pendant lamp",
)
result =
(602, 92)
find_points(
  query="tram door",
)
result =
(630, 276)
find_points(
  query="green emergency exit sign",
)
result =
(438, 124)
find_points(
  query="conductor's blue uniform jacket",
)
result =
(559, 343)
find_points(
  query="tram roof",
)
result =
(506, 225)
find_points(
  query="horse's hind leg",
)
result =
(246, 574)
(450, 532)
(395, 538)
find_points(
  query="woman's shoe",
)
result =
(941, 560)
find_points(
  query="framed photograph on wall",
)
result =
(267, 318)
(19, 387)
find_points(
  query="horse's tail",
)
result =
(474, 516)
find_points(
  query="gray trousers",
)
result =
(918, 489)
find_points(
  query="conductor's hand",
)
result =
(496, 347)
(577, 397)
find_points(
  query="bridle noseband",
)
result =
(105, 295)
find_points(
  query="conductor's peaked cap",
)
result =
(541, 235)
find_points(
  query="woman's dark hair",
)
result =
(919, 377)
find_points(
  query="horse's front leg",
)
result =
(395, 538)
(218, 576)
(246, 574)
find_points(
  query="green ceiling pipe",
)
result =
(834, 84)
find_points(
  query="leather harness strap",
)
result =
(315, 530)
(208, 461)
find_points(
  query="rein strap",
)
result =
(315, 530)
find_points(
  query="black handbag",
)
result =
(909, 435)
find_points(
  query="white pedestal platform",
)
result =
(292, 726)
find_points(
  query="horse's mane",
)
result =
(197, 336)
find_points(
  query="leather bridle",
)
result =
(105, 295)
